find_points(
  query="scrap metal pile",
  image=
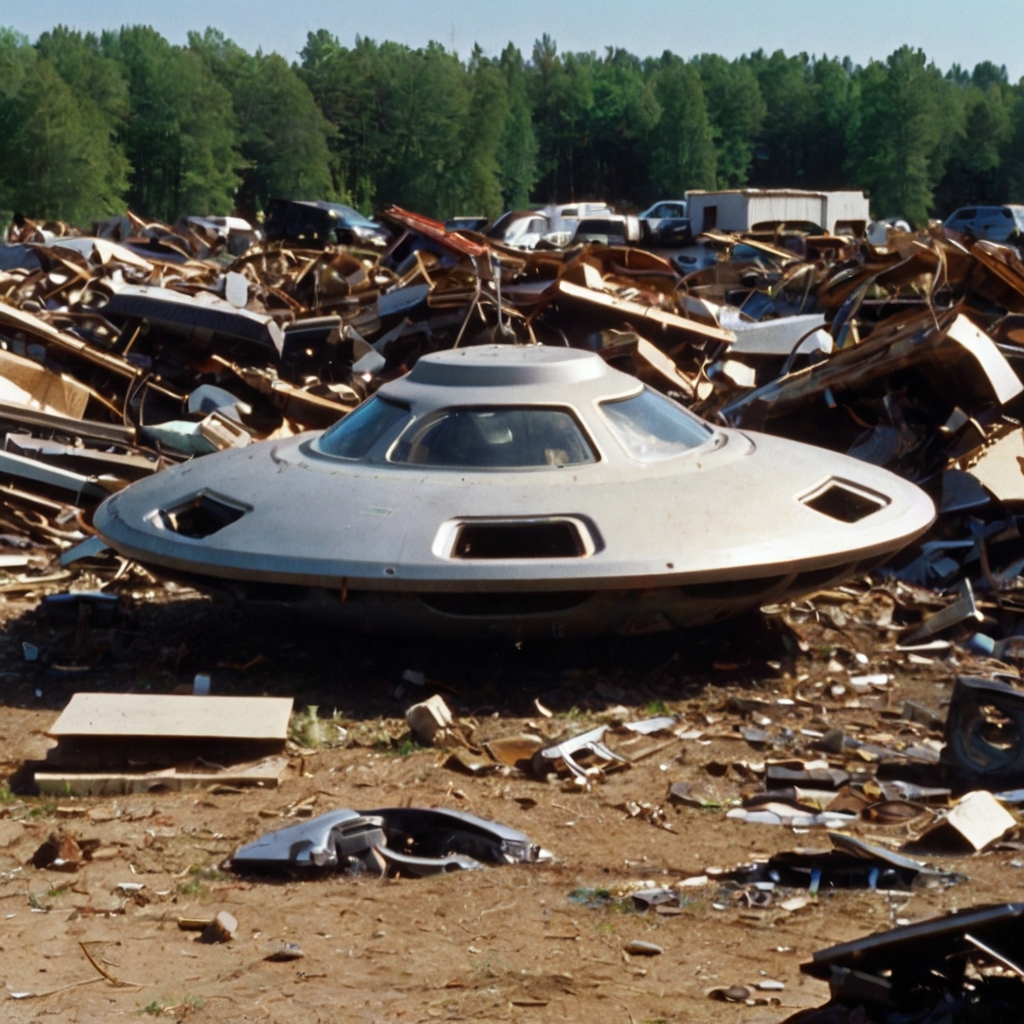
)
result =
(147, 345)
(900, 784)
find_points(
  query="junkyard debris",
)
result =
(429, 719)
(939, 965)
(221, 929)
(124, 743)
(407, 841)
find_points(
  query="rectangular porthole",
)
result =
(559, 538)
(844, 501)
(200, 516)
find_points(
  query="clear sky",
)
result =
(949, 31)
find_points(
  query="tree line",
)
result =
(92, 124)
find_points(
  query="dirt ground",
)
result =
(500, 944)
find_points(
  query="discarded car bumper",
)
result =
(410, 841)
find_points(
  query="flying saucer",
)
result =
(518, 491)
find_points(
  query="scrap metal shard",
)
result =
(409, 841)
(629, 309)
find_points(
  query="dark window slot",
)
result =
(518, 540)
(200, 517)
(843, 504)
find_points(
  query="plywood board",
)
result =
(26, 382)
(662, 365)
(1000, 467)
(650, 314)
(1005, 383)
(980, 819)
(171, 715)
(266, 773)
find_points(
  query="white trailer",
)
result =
(746, 209)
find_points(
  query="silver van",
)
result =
(991, 223)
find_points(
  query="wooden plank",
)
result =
(33, 582)
(1005, 383)
(76, 427)
(266, 773)
(171, 715)
(646, 356)
(650, 314)
(436, 231)
(1002, 261)
(28, 383)
(17, 319)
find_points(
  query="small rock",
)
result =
(59, 853)
(221, 929)
(734, 994)
(429, 719)
(282, 952)
(769, 985)
(794, 903)
(637, 947)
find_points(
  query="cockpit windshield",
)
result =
(496, 438)
(354, 436)
(652, 427)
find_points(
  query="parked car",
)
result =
(665, 209)
(574, 211)
(611, 229)
(521, 229)
(320, 223)
(236, 234)
(558, 226)
(564, 220)
(666, 223)
(669, 232)
(990, 223)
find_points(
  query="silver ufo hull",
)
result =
(607, 508)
